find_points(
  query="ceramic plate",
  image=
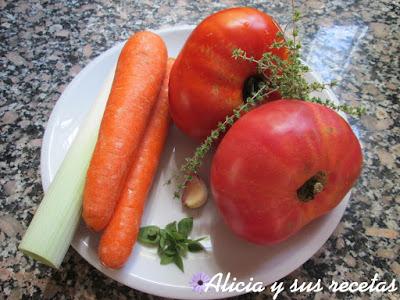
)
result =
(225, 252)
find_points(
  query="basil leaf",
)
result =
(162, 242)
(166, 259)
(178, 237)
(149, 235)
(182, 249)
(170, 251)
(163, 233)
(170, 238)
(185, 226)
(178, 261)
(194, 246)
(171, 227)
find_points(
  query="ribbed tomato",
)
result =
(206, 83)
(281, 166)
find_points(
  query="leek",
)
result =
(51, 231)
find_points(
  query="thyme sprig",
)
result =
(192, 164)
(286, 76)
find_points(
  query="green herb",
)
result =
(195, 246)
(285, 76)
(149, 235)
(185, 226)
(173, 241)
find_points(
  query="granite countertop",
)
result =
(44, 44)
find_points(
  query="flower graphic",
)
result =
(199, 281)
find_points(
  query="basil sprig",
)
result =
(173, 241)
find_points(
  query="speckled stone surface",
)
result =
(44, 44)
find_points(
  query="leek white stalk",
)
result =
(51, 231)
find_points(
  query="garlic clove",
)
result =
(195, 194)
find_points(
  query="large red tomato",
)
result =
(281, 166)
(206, 83)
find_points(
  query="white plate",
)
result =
(226, 253)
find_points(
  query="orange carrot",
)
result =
(121, 233)
(137, 81)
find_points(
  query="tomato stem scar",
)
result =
(312, 187)
(251, 85)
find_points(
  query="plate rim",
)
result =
(142, 284)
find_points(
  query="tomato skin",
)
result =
(206, 83)
(268, 154)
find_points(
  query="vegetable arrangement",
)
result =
(283, 158)
(275, 75)
(286, 162)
